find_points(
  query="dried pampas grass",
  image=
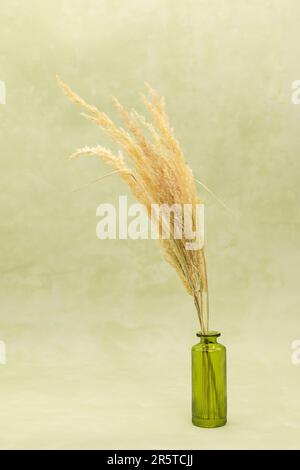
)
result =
(158, 174)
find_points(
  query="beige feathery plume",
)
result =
(158, 174)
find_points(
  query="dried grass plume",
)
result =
(157, 173)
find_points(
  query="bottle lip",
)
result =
(209, 334)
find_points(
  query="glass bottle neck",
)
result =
(209, 337)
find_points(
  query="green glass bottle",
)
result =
(209, 394)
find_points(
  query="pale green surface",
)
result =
(98, 333)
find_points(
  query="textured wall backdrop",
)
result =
(98, 333)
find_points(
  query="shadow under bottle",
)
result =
(209, 390)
